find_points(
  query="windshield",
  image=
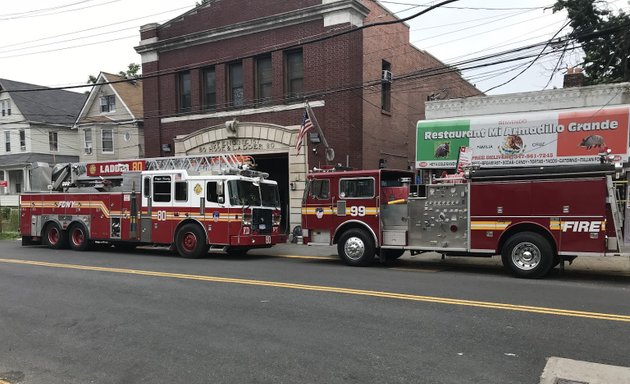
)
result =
(246, 193)
(270, 195)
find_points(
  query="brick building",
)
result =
(258, 62)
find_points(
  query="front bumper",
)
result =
(257, 241)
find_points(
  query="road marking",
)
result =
(406, 269)
(322, 288)
(304, 257)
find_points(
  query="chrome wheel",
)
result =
(354, 248)
(526, 256)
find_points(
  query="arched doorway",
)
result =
(273, 148)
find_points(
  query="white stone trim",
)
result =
(299, 16)
(283, 137)
(243, 112)
(563, 98)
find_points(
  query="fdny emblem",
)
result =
(92, 168)
(197, 189)
(319, 212)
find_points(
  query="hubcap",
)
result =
(53, 236)
(77, 236)
(354, 248)
(526, 256)
(189, 241)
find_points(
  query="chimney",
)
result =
(573, 78)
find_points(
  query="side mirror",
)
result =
(219, 189)
(221, 200)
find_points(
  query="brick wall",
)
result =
(334, 69)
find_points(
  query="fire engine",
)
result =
(535, 218)
(192, 203)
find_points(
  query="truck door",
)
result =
(318, 214)
(357, 200)
(163, 214)
(146, 210)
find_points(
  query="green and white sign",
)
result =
(556, 137)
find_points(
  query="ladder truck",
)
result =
(192, 204)
(535, 218)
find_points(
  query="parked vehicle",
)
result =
(191, 203)
(535, 218)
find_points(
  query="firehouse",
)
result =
(193, 203)
(535, 218)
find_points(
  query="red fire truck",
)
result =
(535, 218)
(193, 203)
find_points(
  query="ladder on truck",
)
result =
(76, 174)
(217, 163)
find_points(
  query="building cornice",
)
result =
(249, 27)
(575, 97)
(242, 112)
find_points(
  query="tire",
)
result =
(391, 254)
(78, 237)
(356, 248)
(190, 242)
(54, 237)
(237, 251)
(528, 255)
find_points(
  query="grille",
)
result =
(261, 221)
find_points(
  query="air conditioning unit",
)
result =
(88, 149)
(386, 76)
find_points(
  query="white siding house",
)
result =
(35, 127)
(110, 122)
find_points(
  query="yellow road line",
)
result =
(304, 257)
(321, 288)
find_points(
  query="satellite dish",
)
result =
(330, 154)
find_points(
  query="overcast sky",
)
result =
(62, 42)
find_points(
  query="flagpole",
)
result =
(311, 115)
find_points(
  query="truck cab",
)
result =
(344, 208)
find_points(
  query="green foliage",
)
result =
(131, 72)
(604, 36)
(10, 218)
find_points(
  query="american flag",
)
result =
(307, 125)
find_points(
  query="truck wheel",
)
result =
(391, 254)
(191, 242)
(356, 248)
(79, 238)
(55, 237)
(527, 255)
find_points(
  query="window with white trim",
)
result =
(6, 107)
(87, 140)
(108, 103)
(53, 143)
(107, 140)
(22, 140)
(7, 141)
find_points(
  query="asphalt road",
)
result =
(284, 316)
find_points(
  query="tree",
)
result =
(131, 72)
(604, 36)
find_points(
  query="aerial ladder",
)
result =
(89, 175)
